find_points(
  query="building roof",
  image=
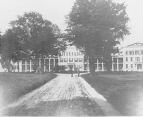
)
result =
(135, 44)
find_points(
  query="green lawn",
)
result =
(122, 89)
(15, 85)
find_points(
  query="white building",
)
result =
(133, 57)
(72, 58)
(130, 58)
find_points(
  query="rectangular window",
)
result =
(32, 65)
(65, 60)
(63, 54)
(137, 58)
(142, 52)
(80, 66)
(61, 60)
(23, 61)
(131, 52)
(75, 60)
(126, 52)
(126, 58)
(23, 65)
(131, 65)
(136, 52)
(80, 59)
(70, 59)
(28, 65)
(131, 58)
(69, 53)
(126, 65)
(77, 53)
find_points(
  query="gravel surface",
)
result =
(62, 96)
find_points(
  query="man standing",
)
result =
(71, 73)
(78, 71)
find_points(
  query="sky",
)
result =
(56, 10)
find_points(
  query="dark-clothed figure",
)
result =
(71, 73)
(78, 71)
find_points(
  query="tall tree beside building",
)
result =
(36, 37)
(97, 26)
(11, 50)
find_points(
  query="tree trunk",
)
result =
(92, 65)
(108, 65)
(36, 65)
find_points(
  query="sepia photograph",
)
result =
(71, 58)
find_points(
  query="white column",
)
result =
(49, 65)
(25, 65)
(30, 66)
(117, 64)
(20, 66)
(97, 65)
(112, 65)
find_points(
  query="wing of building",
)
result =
(129, 58)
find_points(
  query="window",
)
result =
(75, 60)
(63, 54)
(69, 53)
(80, 66)
(131, 52)
(137, 58)
(66, 53)
(61, 60)
(131, 65)
(32, 65)
(80, 59)
(136, 52)
(65, 60)
(70, 59)
(23, 61)
(142, 52)
(131, 58)
(126, 58)
(126, 65)
(28, 65)
(126, 52)
(23, 65)
(75, 53)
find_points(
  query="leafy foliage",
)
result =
(32, 37)
(97, 27)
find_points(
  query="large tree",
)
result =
(36, 37)
(96, 27)
(11, 50)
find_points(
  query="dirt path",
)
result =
(63, 94)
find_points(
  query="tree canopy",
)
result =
(32, 37)
(97, 26)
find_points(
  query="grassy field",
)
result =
(122, 89)
(106, 83)
(15, 85)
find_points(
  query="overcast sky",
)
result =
(55, 11)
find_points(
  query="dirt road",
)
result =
(62, 96)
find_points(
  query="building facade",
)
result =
(129, 58)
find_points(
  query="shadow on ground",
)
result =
(75, 107)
